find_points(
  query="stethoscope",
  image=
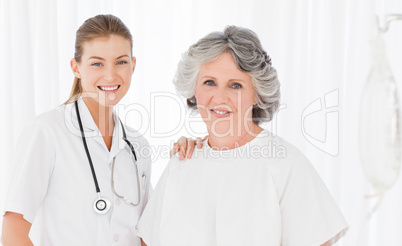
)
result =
(102, 205)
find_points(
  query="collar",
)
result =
(91, 129)
(117, 142)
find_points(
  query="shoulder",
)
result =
(283, 156)
(291, 169)
(175, 161)
(276, 148)
(40, 135)
(55, 114)
(46, 121)
(290, 152)
(175, 166)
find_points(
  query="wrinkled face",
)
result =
(225, 96)
(105, 69)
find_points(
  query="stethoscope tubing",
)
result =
(101, 200)
(123, 197)
(86, 148)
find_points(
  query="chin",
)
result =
(222, 129)
(106, 102)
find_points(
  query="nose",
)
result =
(220, 96)
(109, 74)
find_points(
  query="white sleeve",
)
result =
(310, 216)
(32, 169)
(148, 227)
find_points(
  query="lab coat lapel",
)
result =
(118, 143)
(71, 120)
(90, 128)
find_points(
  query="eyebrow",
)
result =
(230, 80)
(100, 58)
(207, 77)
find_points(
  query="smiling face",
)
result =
(105, 70)
(225, 97)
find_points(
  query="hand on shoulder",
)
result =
(185, 146)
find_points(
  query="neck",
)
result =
(234, 140)
(102, 116)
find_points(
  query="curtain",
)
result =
(320, 49)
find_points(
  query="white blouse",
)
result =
(263, 193)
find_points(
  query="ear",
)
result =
(134, 64)
(74, 68)
(255, 101)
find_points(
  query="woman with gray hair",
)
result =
(245, 186)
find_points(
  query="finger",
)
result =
(199, 142)
(182, 140)
(174, 150)
(190, 147)
(205, 138)
(182, 146)
(182, 153)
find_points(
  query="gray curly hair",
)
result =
(249, 57)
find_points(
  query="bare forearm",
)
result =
(15, 230)
(142, 243)
(16, 241)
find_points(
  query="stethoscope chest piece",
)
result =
(102, 205)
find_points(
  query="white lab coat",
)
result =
(53, 187)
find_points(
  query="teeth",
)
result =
(108, 88)
(220, 112)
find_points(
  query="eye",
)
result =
(121, 62)
(96, 64)
(236, 86)
(209, 82)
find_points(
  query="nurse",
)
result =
(83, 177)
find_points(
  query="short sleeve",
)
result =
(32, 168)
(148, 227)
(310, 216)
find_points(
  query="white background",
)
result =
(317, 47)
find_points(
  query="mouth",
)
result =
(221, 112)
(109, 88)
